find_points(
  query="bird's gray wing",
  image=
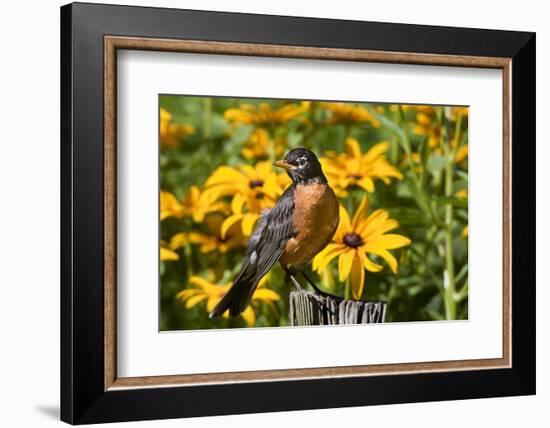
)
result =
(275, 228)
(265, 246)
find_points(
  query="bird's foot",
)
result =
(318, 290)
(295, 282)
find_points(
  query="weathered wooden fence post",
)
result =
(308, 308)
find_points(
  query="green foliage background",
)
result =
(419, 202)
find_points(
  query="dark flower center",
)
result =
(256, 183)
(353, 240)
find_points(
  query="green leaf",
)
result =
(241, 134)
(435, 163)
(456, 202)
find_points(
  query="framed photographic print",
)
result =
(265, 213)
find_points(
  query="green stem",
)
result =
(347, 290)
(187, 250)
(449, 274)
(422, 200)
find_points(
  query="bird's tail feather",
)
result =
(238, 297)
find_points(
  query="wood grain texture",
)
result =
(112, 43)
(265, 50)
(507, 213)
(312, 309)
(109, 195)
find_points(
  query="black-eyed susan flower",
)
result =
(168, 250)
(355, 240)
(194, 205)
(349, 114)
(427, 124)
(204, 290)
(353, 168)
(253, 188)
(260, 145)
(211, 238)
(264, 115)
(167, 254)
(172, 133)
(461, 153)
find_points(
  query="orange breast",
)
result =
(315, 222)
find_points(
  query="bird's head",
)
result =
(302, 166)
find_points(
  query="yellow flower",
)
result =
(349, 113)
(453, 112)
(354, 168)
(355, 239)
(212, 239)
(264, 114)
(195, 205)
(178, 241)
(212, 293)
(259, 145)
(167, 254)
(253, 189)
(461, 153)
(171, 133)
(427, 124)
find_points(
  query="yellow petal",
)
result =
(366, 184)
(461, 153)
(361, 212)
(224, 174)
(228, 222)
(199, 238)
(368, 263)
(393, 241)
(265, 294)
(211, 303)
(195, 300)
(186, 294)
(178, 241)
(237, 203)
(357, 278)
(377, 150)
(390, 259)
(345, 223)
(344, 263)
(373, 223)
(322, 259)
(353, 148)
(248, 223)
(263, 169)
(166, 254)
(248, 316)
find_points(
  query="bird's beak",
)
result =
(285, 165)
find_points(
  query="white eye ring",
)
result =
(302, 162)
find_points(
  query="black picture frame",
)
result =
(83, 396)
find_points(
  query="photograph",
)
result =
(280, 212)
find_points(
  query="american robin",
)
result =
(298, 227)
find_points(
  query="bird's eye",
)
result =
(302, 162)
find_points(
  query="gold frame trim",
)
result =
(112, 43)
